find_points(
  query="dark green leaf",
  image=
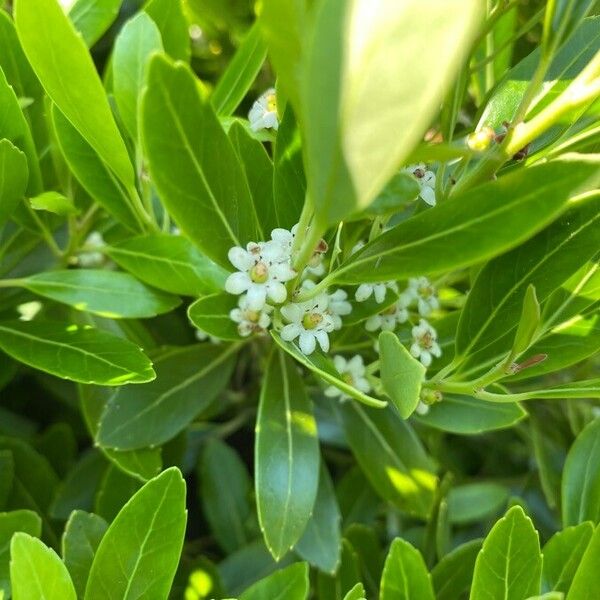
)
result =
(288, 584)
(188, 379)
(509, 565)
(401, 374)
(169, 263)
(115, 491)
(405, 575)
(286, 456)
(202, 184)
(80, 540)
(87, 355)
(474, 226)
(138, 555)
(587, 577)
(474, 502)
(7, 474)
(453, 574)
(106, 293)
(13, 179)
(397, 193)
(211, 315)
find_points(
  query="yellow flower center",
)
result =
(390, 311)
(271, 103)
(252, 316)
(311, 320)
(259, 273)
(347, 378)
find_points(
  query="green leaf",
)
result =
(116, 489)
(173, 27)
(401, 374)
(37, 572)
(290, 583)
(397, 193)
(563, 554)
(453, 573)
(202, 185)
(485, 329)
(320, 364)
(188, 379)
(391, 457)
(529, 322)
(92, 172)
(474, 226)
(509, 565)
(474, 502)
(587, 577)
(7, 475)
(109, 294)
(227, 514)
(63, 65)
(54, 202)
(136, 42)
(286, 456)
(580, 489)
(405, 575)
(13, 179)
(170, 263)
(240, 73)
(11, 522)
(92, 18)
(468, 416)
(321, 542)
(138, 555)
(80, 541)
(356, 593)
(352, 148)
(87, 355)
(346, 578)
(211, 315)
(589, 388)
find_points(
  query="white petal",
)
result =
(236, 315)
(356, 365)
(361, 384)
(245, 329)
(323, 339)
(415, 350)
(282, 272)
(373, 323)
(264, 320)
(291, 332)
(240, 259)
(425, 358)
(380, 290)
(281, 236)
(332, 391)
(428, 195)
(257, 296)
(363, 291)
(238, 283)
(422, 408)
(435, 349)
(424, 308)
(307, 342)
(339, 363)
(292, 312)
(277, 292)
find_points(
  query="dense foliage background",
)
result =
(395, 399)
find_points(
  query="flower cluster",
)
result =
(426, 181)
(263, 114)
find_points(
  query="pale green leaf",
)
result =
(290, 583)
(54, 202)
(586, 581)
(13, 179)
(93, 17)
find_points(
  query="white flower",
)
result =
(425, 179)
(422, 408)
(352, 372)
(425, 345)
(339, 307)
(250, 321)
(90, 257)
(263, 114)
(202, 336)
(422, 290)
(262, 271)
(284, 238)
(365, 290)
(309, 321)
(387, 319)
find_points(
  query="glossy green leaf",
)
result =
(397, 193)
(452, 575)
(236, 80)
(7, 476)
(509, 565)
(352, 149)
(202, 185)
(356, 593)
(222, 469)
(139, 553)
(136, 42)
(116, 489)
(587, 577)
(347, 576)
(474, 226)
(91, 171)
(211, 315)
(319, 363)
(474, 502)
(109, 294)
(188, 379)
(286, 456)
(529, 322)
(405, 575)
(80, 541)
(290, 583)
(321, 542)
(54, 202)
(173, 27)
(11, 522)
(92, 18)
(37, 572)
(468, 416)
(563, 554)
(63, 65)
(87, 355)
(169, 263)
(588, 388)
(401, 374)
(391, 457)
(13, 179)
(486, 326)
(580, 489)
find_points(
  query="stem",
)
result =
(489, 50)
(8, 283)
(46, 234)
